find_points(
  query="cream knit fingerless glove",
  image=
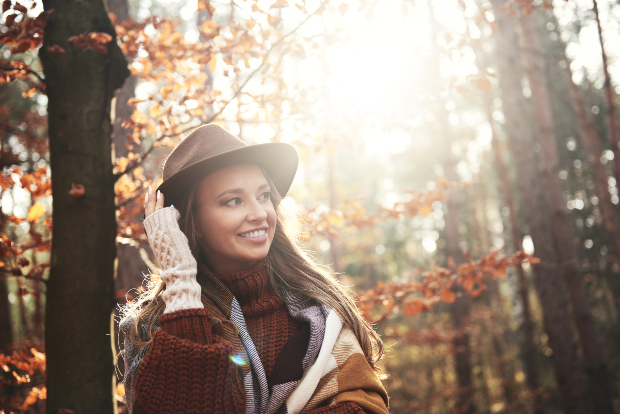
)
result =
(171, 247)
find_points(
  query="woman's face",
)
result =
(236, 218)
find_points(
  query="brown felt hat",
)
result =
(210, 147)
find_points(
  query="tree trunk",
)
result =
(460, 309)
(591, 142)
(610, 96)
(80, 299)
(596, 367)
(548, 279)
(530, 351)
(6, 327)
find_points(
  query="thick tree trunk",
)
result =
(6, 327)
(461, 307)
(529, 351)
(596, 367)
(548, 279)
(610, 96)
(591, 142)
(80, 88)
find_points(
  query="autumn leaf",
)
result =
(35, 212)
(55, 49)
(483, 83)
(20, 8)
(413, 307)
(274, 21)
(77, 190)
(447, 296)
(206, 5)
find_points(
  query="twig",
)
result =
(32, 72)
(236, 95)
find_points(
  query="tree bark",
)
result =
(6, 327)
(527, 327)
(610, 96)
(591, 142)
(460, 309)
(596, 367)
(548, 279)
(80, 88)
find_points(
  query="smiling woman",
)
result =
(236, 218)
(241, 319)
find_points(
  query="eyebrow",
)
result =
(239, 190)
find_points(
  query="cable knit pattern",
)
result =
(266, 318)
(171, 247)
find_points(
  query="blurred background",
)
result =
(442, 143)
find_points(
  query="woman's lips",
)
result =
(259, 236)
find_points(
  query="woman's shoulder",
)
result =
(131, 315)
(126, 323)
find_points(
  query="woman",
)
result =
(241, 319)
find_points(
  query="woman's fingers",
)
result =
(153, 201)
(160, 201)
(149, 206)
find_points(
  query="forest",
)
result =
(458, 170)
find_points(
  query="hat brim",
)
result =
(279, 159)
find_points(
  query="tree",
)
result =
(571, 267)
(80, 88)
(548, 278)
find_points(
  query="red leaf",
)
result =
(77, 190)
(55, 49)
(20, 8)
(10, 19)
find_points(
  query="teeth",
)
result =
(256, 233)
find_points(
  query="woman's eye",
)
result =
(233, 202)
(266, 195)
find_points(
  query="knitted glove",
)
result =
(171, 248)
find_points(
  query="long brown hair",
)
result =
(289, 266)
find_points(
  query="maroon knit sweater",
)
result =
(189, 370)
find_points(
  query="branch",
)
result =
(8, 272)
(32, 72)
(236, 95)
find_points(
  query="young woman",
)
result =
(241, 319)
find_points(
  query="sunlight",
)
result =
(375, 62)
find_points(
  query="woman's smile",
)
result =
(255, 236)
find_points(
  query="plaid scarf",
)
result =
(298, 381)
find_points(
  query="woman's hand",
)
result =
(171, 247)
(152, 201)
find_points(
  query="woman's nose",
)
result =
(257, 212)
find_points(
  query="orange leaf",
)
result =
(77, 190)
(35, 212)
(483, 84)
(447, 296)
(413, 307)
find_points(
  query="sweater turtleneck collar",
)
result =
(251, 289)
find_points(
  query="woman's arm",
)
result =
(186, 369)
(171, 247)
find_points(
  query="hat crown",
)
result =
(200, 144)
